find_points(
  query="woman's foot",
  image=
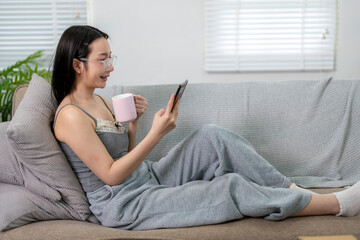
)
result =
(349, 200)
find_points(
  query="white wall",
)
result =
(162, 41)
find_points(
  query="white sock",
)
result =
(349, 200)
(296, 187)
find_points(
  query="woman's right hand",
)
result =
(165, 120)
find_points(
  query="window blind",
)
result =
(27, 26)
(267, 35)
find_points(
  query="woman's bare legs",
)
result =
(343, 203)
(325, 204)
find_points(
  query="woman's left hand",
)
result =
(141, 105)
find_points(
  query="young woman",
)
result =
(210, 177)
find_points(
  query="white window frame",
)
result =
(27, 26)
(270, 35)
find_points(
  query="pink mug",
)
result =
(124, 107)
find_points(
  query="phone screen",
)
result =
(179, 92)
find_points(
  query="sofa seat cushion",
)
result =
(245, 229)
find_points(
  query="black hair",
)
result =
(74, 43)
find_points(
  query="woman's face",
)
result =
(98, 69)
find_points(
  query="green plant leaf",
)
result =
(15, 75)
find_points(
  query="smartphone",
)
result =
(179, 92)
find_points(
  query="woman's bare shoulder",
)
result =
(70, 118)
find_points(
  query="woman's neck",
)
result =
(82, 95)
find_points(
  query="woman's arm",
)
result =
(141, 106)
(132, 130)
(77, 130)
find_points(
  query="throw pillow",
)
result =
(9, 172)
(44, 167)
(19, 206)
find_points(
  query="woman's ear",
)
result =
(77, 65)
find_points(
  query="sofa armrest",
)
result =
(18, 96)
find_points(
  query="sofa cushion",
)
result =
(19, 206)
(43, 165)
(9, 172)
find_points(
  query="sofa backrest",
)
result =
(309, 130)
(18, 96)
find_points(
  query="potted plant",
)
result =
(15, 75)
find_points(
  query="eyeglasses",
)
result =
(106, 62)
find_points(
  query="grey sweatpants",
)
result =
(210, 177)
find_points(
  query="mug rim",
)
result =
(120, 96)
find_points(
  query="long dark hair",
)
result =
(74, 43)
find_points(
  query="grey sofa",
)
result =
(309, 130)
